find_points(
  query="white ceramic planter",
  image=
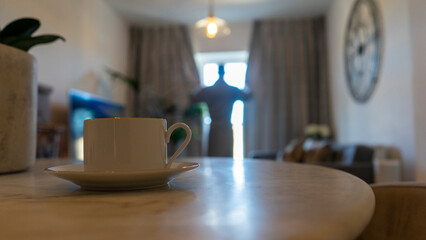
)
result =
(18, 109)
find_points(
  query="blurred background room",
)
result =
(338, 83)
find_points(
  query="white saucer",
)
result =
(117, 181)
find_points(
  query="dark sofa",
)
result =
(352, 158)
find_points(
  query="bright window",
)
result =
(235, 74)
(210, 74)
(237, 119)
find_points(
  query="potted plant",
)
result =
(158, 106)
(18, 93)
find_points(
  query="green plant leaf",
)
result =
(134, 83)
(12, 39)
(178, 135)
(25, 43)
(23, 27)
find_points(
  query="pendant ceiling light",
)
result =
(212, 26)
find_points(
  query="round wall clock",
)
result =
(363, 45)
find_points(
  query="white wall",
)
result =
(95, 37)
(388, 117)
(418, 40)
(238, 40)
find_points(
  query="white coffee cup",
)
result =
(129, 144)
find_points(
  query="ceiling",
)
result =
(189, 11)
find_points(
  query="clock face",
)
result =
(363, 49)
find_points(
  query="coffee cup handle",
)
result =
(184, 144)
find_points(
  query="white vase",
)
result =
(18, 109)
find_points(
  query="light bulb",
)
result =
(211, 29)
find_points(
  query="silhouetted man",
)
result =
(220, 99)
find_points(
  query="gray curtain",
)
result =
(161, 59)
(287, 72)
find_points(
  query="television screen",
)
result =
(84, 106)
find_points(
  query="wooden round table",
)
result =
(222, 199)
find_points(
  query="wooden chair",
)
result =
(400, 212)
